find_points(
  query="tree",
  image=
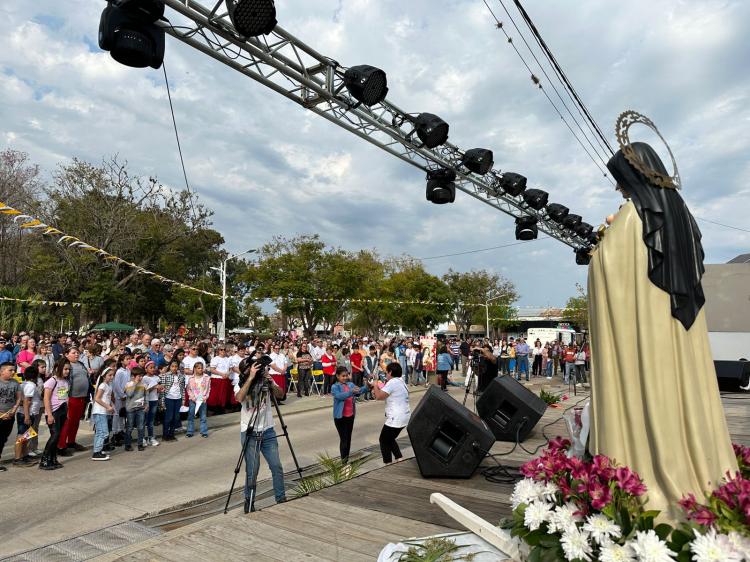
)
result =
(299, 273)
(577, 309)
(470, 288)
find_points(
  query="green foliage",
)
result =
(478, 286)
(334, 472)
(577, 309)
(436, 549)
(549, 397)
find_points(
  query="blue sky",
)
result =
(267, 167)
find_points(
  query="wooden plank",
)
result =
(395, 524)
(473, 488)
(214, 540)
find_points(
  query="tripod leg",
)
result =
(286, 434)
(251, 424)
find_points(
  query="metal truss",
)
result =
(295, 70)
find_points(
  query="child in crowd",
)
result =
(28, 414)
(328, 360)
(101, 411)
(198, 388)
(151, 380)
(171, 395)
(56, 410)
(122, 377)
(136, 407)
(10, 401)
(344, 392)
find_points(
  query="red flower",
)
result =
(688, 503)
(599, 493)
(703, 516)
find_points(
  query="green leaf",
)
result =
(679, 539)
(536, 554)
(550, 541)
(663, 530)
(534, 537)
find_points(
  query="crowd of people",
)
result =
(129, 385)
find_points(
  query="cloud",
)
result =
(267, 166)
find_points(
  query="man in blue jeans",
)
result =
(522, 358)
(246, 392)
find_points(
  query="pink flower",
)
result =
(558, 443)
(602, 467)
(600, 494)
(703, 516)
(629, 482)
(688, 503)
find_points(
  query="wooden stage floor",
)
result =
(354, 520)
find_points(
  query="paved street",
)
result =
(86, 495)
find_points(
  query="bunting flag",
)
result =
(375, 301)
(48, 303)
(30, 223)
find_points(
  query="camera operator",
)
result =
(254, 376)
(486, 370)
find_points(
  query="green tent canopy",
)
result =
(112, 327)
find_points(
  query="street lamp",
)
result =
(487, 311)
(223, 275)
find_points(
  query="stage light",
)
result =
(557, 212)
(535, 198)
(582, 256)
(128, 32)
(512, 183)
(526, 228)
(571, 221)
(366, 84)
(478, 160)
(441, 188)
(431, 130)
(584, 230)
(252, 17)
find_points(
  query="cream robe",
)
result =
(655, 401)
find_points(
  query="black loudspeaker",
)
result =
(732, 374)
(510, 409)
(449, 440)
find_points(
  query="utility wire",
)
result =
(561, 73)
(483, 249)
(551, 83)
(722, 224)
(177, 136)
(510, 40)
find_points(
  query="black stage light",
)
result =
(478, 160)
(526, 228)
(584, 230)
(582, 256)
(571, 221)
(128, 32)
(441, 188)
(512, 183)
(557, 212)
(366, 84)
(535, 198)
(252, 17)
(431, 130)
(593, 238)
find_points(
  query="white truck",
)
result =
(727, 290)
(544, 335)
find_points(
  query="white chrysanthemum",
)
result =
(575, 544)
(526, 491)
(612, 552)
(536, 513)
(648, 547)
(563, 518)
(602, 528)
(550, 490)
(713, 547)
(740, 544)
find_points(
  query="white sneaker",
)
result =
(153, 442)
(33, 454)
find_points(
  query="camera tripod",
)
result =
(252, 430)
(471, 386)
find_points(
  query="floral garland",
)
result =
(568, 508)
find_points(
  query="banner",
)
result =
(30, 223)
(48, 303)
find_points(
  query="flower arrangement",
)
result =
(550, 398)
(568, 508)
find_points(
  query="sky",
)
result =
(268, 167)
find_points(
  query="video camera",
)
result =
(476, 358)
(247, 363)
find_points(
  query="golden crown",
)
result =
(624, 122)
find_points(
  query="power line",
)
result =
(561, 74)
(722, 224)
(536, 81)
(551, 83)
(483, 249)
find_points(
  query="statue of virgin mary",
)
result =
(655, 404)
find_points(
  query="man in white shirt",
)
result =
(316, 350)
(263, 430)
(234, 362)
(280, 362)
(221, 365)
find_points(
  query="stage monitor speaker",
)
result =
(732, 374)
(449, 440)
(510, 409)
